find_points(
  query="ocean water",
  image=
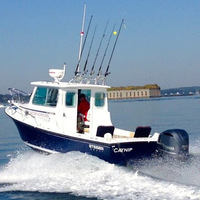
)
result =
(25, 174)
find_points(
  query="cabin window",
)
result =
(70, 99)
(99, 99)
(86, 92)
(45, 96)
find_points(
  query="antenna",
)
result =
(82, 33)
(107, 73)
(77, 68)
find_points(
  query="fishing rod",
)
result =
(106, 51)
(107, 73)
(92, 70)
(84, 70)
(81, 50)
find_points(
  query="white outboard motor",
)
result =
(174, 143)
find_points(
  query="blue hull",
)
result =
(117, 153)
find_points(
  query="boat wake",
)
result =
(175, 171)
(81, 174)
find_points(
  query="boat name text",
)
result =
(122, 150)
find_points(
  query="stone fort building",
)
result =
(130, 92)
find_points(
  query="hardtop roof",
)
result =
(68, 85)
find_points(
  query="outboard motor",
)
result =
(174, 143)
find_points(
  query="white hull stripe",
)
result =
(40, 148)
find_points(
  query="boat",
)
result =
(49, 122)
(1, 105)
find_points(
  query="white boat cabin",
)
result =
(54, 106)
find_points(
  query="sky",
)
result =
(159, 42)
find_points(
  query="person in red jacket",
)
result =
(84, 106)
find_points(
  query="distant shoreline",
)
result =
(172, 92)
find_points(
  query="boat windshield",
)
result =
(45, 96)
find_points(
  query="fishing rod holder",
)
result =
(100, 79)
